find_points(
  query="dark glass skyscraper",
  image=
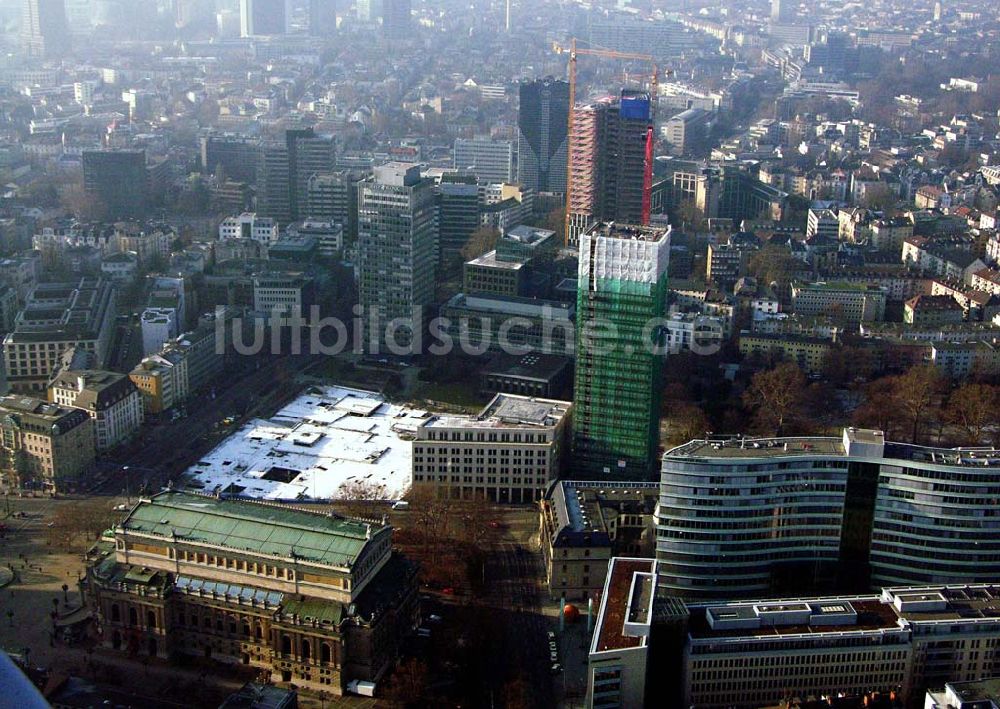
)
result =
(262, 17)
(118, 180)
(322, 17)
(542, 122)
(396, 18)
(43, 27)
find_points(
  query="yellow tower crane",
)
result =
(574, 52)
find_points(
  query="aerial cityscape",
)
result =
(519, 354)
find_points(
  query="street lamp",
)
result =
(128, 497)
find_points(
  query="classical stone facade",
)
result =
(317, 600)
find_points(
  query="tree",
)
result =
(686, 422)
(480, 241)
(518, 694)
(878, 197)
(917, 394)
(776, 397)
(690, 215)
(407, 684)
(774, 264)
(363, 499)
(879, 409)
(83, 521)
(556, 221)
(974, 409)
(83, 204)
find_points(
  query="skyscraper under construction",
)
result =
(621, 299)
(610, 162)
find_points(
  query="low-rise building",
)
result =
(282, 295)
(822, 222)
(975, 694)
(329, 236)
(45, 445)
(510, 324)
(748, 654)
(583, 524)
(932, 310)
(110, 398)
(541, 375)
(694, 332)
(146, 241)
(617, 660)
(309, 598)
(942, 259)
(848, 302)
(157, 381)
(960, 360)
(249, 226)
(121, 268)
(158, 325)
(807, 351)
(510, 452)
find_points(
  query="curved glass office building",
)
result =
(757, 517)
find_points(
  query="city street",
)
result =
(166, 447)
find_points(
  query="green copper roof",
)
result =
(251, 527)
(315, 610)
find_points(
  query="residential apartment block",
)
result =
(847, 302)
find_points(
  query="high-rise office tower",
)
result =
(396, 20)
(458, 217)
(396, 264)
(609, 162)
(333, 196)
(43, 28)
(118, 180)
(621, 293)
(263, 17)
(285, 171)
(322, 17)
(542, 121)
(368, 10)
(782, 11)
(491, 161)
(234, 155)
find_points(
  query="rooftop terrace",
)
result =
(615, 608)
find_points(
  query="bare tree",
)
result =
(81, 522)
(918, 394)
(975, 409)
(363, 499)
(879, 409)
(686, 422)
(480, 241)
(776, 397)
(407, 684)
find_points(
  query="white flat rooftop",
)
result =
(327, 438)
